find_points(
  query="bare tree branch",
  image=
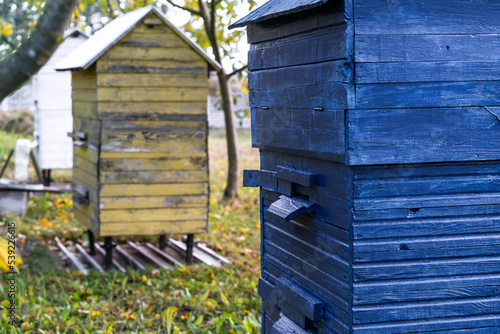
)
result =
(192, 11)
(30, 56)
(239, 70)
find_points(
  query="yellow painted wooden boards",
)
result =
(150, 66)
(143, 106)
(147, 94)
(150, 109)
(151, 80)
(152, 228)
(190, 176)
(175, 189)
(165, 162)
(154, 136)
(164, 215)
(152, 202)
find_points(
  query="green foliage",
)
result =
(196, 299)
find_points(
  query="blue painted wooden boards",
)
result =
(384, 115)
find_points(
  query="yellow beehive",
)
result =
(140, 128)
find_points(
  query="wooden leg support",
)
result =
(162, 241)
(108, 246)
(91, 242)
(189, 248)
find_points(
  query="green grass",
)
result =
(195, 299)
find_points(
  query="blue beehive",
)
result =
(380, 189)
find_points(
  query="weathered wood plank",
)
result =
(145, 215)
(426, 310)
(428, 95)
(300, 130)
(153, 228)
(86, 153)
(152, 202)
(405, 135)
(432, 326)
(90, 127)
(172, 162)
(425, 295)
(426, 227)
(326, 96)
(146, 109)
(426, 268)
(151, 53)
(444, 71)
(84, 95)
(329, 14)
(143, 28)
(148, 66)
(424, 17)
(190, 176)
(151, 80)
(154, 136)
(317, 46)
(116, 190)
(84, 164)
(397, 48)
(137, 94)
(156, 39)
(85, 109)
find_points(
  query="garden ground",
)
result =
(195, 299)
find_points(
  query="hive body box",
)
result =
(379, 174)
(140, 128)
(53, 109)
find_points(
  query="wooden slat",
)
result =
(152, 40)
(329, 14)
(85, 95)
(86, 153)
(171, 162)
(190, 176)
(86, 109)
(145, 215)
(154, 189)
(428, 94)
(84, 164)
(151, 53)
(152, 202)
(152, 94)
(443, 71)
(153, 228)
(424, 17)
(91, 128)
(147, 109)
(142, 28)
(317, 46)
(422, 135)
(306, 131)
(145, 66)
(397, 48)
(151, 80)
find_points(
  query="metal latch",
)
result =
(81, 196)
(79, 138)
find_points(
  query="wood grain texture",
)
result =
(379, 17)
(117, 190)
(167, 162)
(191, 94)
(422, 95)
(317, 46)
(153, 228)
(443, 71)
(150, 66)
(145, 110)
(190, 176)
(304, 131)
(152, 202)
(405, 136)
(151, 80)
(151, 53)
(145, 215)
(403, 48)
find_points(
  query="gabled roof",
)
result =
(75, 32)
(276, 8)
(90, 51)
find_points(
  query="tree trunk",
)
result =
(233, 171)
(28, 58)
